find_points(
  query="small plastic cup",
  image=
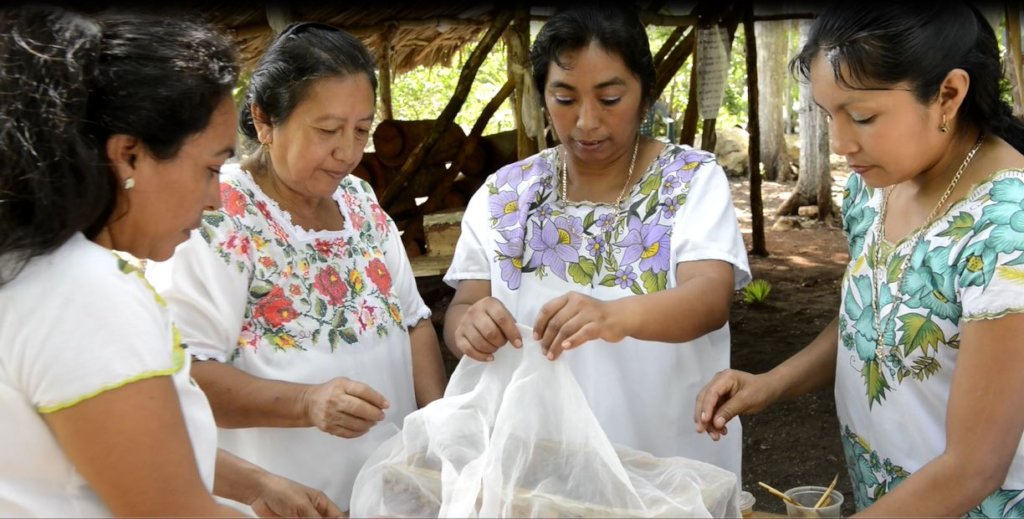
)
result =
(807, 497)
(747, 501)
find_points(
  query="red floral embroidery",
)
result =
(234, 201)
(330, 284)
(275, 308)
(380, 276)
(325, 248)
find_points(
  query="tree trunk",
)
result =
(814, 185)
(757, 238)
(771, 82)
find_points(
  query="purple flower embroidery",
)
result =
(510, 257)
(514, 174)
(670, 184)
(555, 243)
(647, 242)
(596, 246)
(625, 277)
(669, 207)
(687, 163)
(544, 212)
(505, 208)
(606, 221)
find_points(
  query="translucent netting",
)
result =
(516, 438)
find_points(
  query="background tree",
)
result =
(772, 82)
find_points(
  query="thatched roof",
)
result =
(421, 35)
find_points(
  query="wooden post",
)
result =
(466, 77)
(517, 46)
(387, 41)
(433, 203)
(757, 240)
(688, 132)
(670, 42)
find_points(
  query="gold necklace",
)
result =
(879, 270)
(618, 201)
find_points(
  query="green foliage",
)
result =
(757, 292)
(422, 93)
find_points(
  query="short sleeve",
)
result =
(706, 227)
(414, 308)
(104, 331)
(471, 259)
(990, 267)
(206, 295)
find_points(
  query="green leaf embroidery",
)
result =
(579, 274)
(875, 381)
(650, 184)
(340, 319)
(608, 281)
(259, 289)
(588, 220)
(349, 335)
(962, 225)
(635, 288)
(919, 332)
(892, 271)
(214, 219)
(654, 282)
(319, 307)
(652, 206)
(316, 335)
(333, 337)
(925, 367)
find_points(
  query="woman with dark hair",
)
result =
(297, 295)
(111, 133)
(623, 250)
(925, 353)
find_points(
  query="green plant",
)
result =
(756, 292)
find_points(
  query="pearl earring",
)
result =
(129, 183)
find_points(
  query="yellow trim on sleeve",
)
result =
(985, 316)
(178, 359)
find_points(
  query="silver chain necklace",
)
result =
(618, 201)
(879, 270)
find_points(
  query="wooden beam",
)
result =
(1013, 43)
(436, 198)
(790, 16)
(387, 38)
(754, 141)
(673, 61)
(468, 74)
(688, 132)
(670, 42)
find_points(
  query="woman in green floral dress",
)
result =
(925, 353)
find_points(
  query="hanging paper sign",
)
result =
(712, 70)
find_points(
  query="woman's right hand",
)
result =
(486, 326)
(728, 394)
(344, 407)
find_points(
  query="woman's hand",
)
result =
(344, 407)
(282, 497)
(570, 320)
(484, 327)
(730, 393)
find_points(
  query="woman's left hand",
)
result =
(573, 319)
(282, 497)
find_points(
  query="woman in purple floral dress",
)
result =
(618, 248)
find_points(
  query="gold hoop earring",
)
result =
(129, 183)
(943, 127)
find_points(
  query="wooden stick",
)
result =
(771, 490)
(826, 498)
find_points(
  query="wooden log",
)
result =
(690, 115)
(387, 42)
(670, 42)
(476, 58)
(395, 140)
(500, 150)
(517, 45)
(675, 59)
(371, 170)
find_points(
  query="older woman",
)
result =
(297, 294)
(619, 250)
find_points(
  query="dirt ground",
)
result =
(797, 442)
(794, 443)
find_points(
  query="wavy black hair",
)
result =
(70, 81)
(872, 45)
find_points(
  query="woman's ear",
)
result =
(953, 91)
(124, 152)
(264, 127)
